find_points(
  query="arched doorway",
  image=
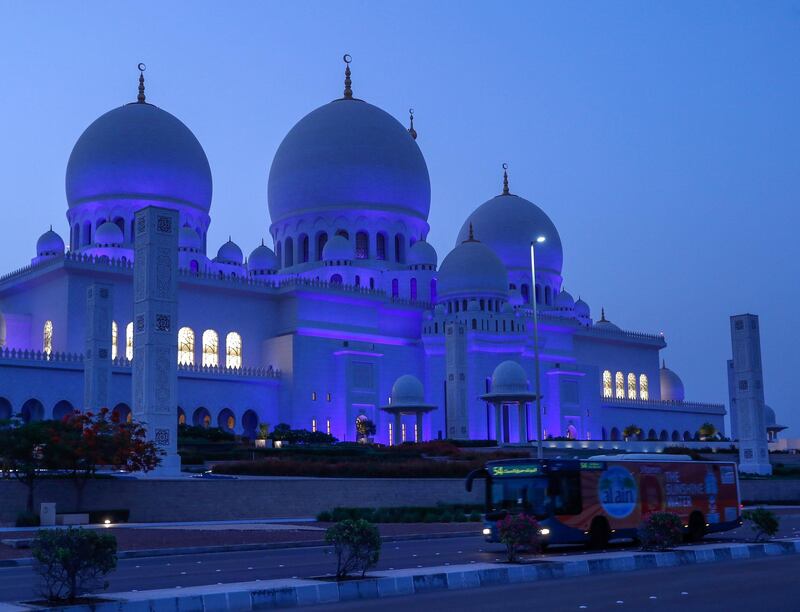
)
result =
(181, 416)
(664, 436)
(615, 434)
(250, 424)
(32, 410)
(676, 436)
(62, 409)
(5, 409)
(123, 412)
(572, 432)
(201, 418)
(226, 421)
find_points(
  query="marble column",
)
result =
(419, 426)
(155, 342)
(97, 353)
(523, 423)
(398, 428)
(498, 423)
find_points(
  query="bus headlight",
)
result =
(544, 531)
(487, 531)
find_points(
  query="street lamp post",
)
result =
(532, 293)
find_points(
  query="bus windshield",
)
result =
(528, 495)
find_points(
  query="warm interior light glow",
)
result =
(233, 350)
(186, 346)
(210, 348)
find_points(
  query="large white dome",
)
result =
(472, 269)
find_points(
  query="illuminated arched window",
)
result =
(210, 348)
(607, 390)
(129, 341)
(631, 385)
(114, 337)
(644, 392)
(619, 381)
(186, 346)
(47, 338)
(233, 350)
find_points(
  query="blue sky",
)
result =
(662, 138)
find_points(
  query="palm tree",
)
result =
(707, 431)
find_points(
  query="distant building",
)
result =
(315, 330)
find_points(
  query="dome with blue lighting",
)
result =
(507, 224)
(137, 155)
(348, 155)
(472, 269)
(49, 244)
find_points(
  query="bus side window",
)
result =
(564, 491)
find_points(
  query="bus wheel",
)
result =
(697, 527)
(599, 533)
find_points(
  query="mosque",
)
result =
(348, 315)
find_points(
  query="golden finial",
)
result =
(411, 130)
(348, 84)
(140, 97)
(505, 180)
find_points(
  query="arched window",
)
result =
(87, 233)
(548, 293)
(186, 346)
(413, 288)
(233, 350)
(362, 245)
(631, 385)
(114, 337)
(358, 280)
(343, 233)
(289, 250)
(644, 392)
(129, 341)
(538, 292)
(526, 294)
(614, 433)
(120, 223)
(399, 248)
(474, 324)
(47, 338)
(372, 283)
(210, 349)
(336, 279)
(607, 390)
(303, 248)
(226, 421)
(620, 385)
(380, 246)
(194, 266)
(395, 288)
(322, 240)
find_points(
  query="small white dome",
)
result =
(422, 253)
(671, 385)
(509, 377)
(407, 391)
(108, 234)
(189, 239)
(230, 253)
(338, 248)
(49, 243)
(262, 259)
(582, 309)
(564, 300)
(604, 323)
(472, 268)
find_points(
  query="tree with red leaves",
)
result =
(81, 443)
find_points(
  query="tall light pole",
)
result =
(532, 294)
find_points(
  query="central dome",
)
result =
(348, 155)
(139, 153)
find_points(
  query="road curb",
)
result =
(271, 594)
(197, 550)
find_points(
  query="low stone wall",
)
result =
(187, 499)
(151, 500)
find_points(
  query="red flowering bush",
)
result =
(518, 532)
(660, 531)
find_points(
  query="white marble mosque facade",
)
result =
(315, 329)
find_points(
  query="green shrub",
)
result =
(764, 523)
(357, 545)
(518, 532)
(73, 561)
(213, 434)
(27, 519)
(660, 531)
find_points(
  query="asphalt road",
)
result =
(19, 583)
(733, 586)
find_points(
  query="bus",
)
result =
(591, 501)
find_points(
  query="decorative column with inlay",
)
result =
(97, 353)
(155, 344)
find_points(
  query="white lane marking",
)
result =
(250, 568)
(619, 601)
(653, 597)
(219, 570)
(183, 573)
(684, 593)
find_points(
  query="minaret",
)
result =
(457, 380)
(155, 325)
(749, 389)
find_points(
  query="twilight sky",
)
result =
(662, 138)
